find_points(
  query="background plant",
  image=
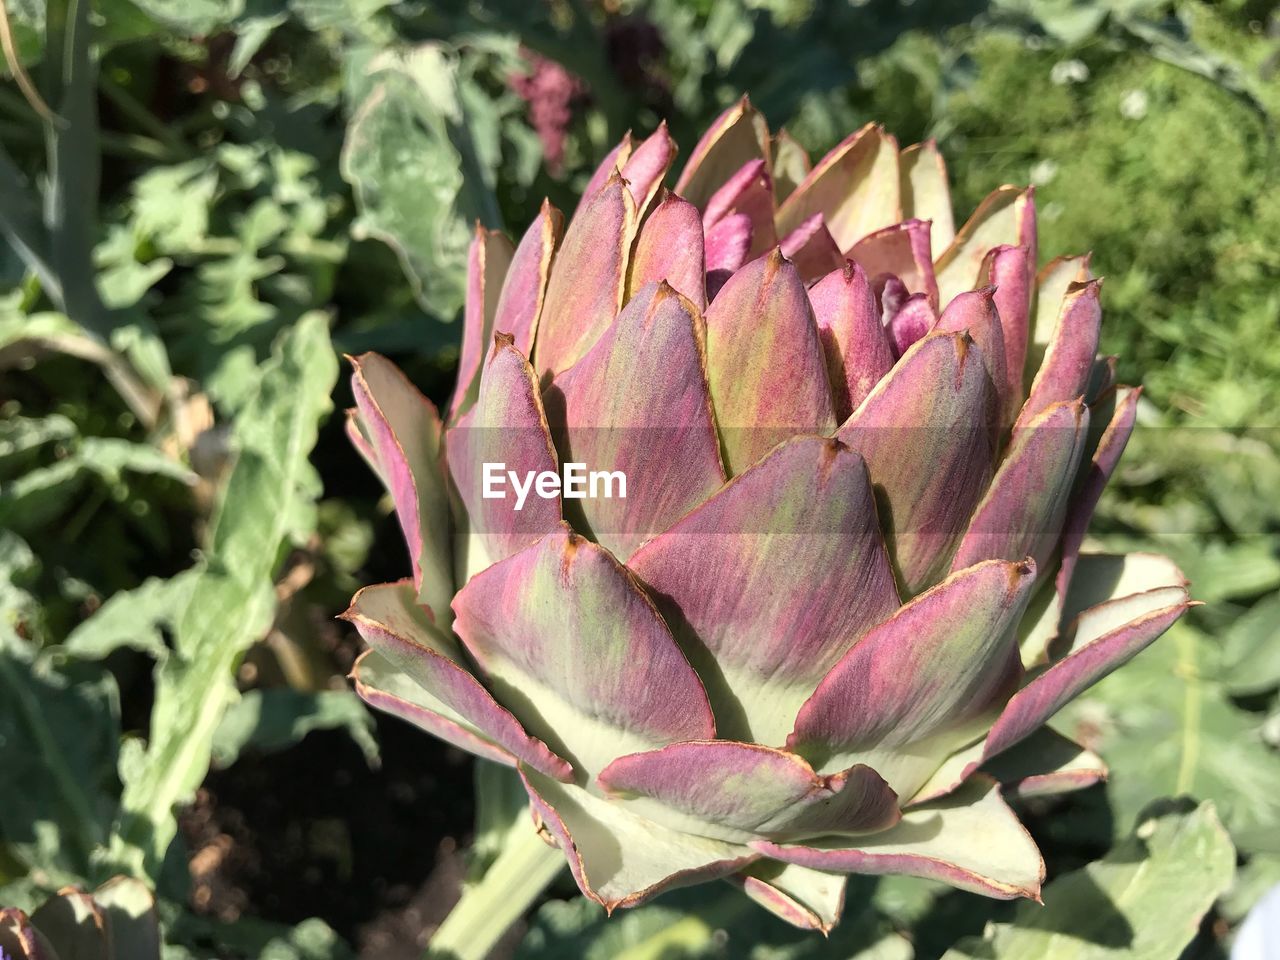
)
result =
(191, 247)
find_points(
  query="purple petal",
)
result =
(1044, 764)
(810, 900)
(909, 324)
(742, 791)
(638, 403)
(770, 581)
(805, 898)
(612, 163)
(588, 278)
(749, 192)
(507, 427)
(1010, 271)
(1104, 638)
(670, 248)
(943, 660)
(765, 363)
(854, 340)
(398, 430)
(1022, 512)
(525, 289)
(428, 683)
(969, 840)
(974, 312)
(1106, 454)
(573, 646)
(1052, 284)
(1068, 362)
(925, 432)
(410, 706)
(648, 164)
(811, 248)
(902, 250)
(487, 263)
(620, 859)
(727, 245)
(734, 138)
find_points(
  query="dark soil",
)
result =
(313, 832)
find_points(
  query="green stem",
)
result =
(488, 908)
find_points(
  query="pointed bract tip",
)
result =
(1085, 288)
(501, 340)
(775, 260)
(851, 270)
(664, 292)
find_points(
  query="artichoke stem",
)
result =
(488, 908)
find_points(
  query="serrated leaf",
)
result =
(420, 154)
(1143, 901)
(133, 618)
(268, 500)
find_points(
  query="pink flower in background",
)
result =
(551, 92)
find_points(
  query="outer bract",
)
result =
(115, 922)
(825, 628)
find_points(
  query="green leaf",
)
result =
(58, 741)
(1143, 901)
(708, 921)
(1165, 727)
(273, 719)
(421, 154)
(191, 937)
(21, 434)
(37, 496)
(267, 502)
(1220, 571)
(18, 565)
(1251, 649)
(188, 18)
(133, 618)
(110, 457)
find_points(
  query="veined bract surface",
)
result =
(823, 632)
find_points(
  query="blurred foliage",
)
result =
(242, 189)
